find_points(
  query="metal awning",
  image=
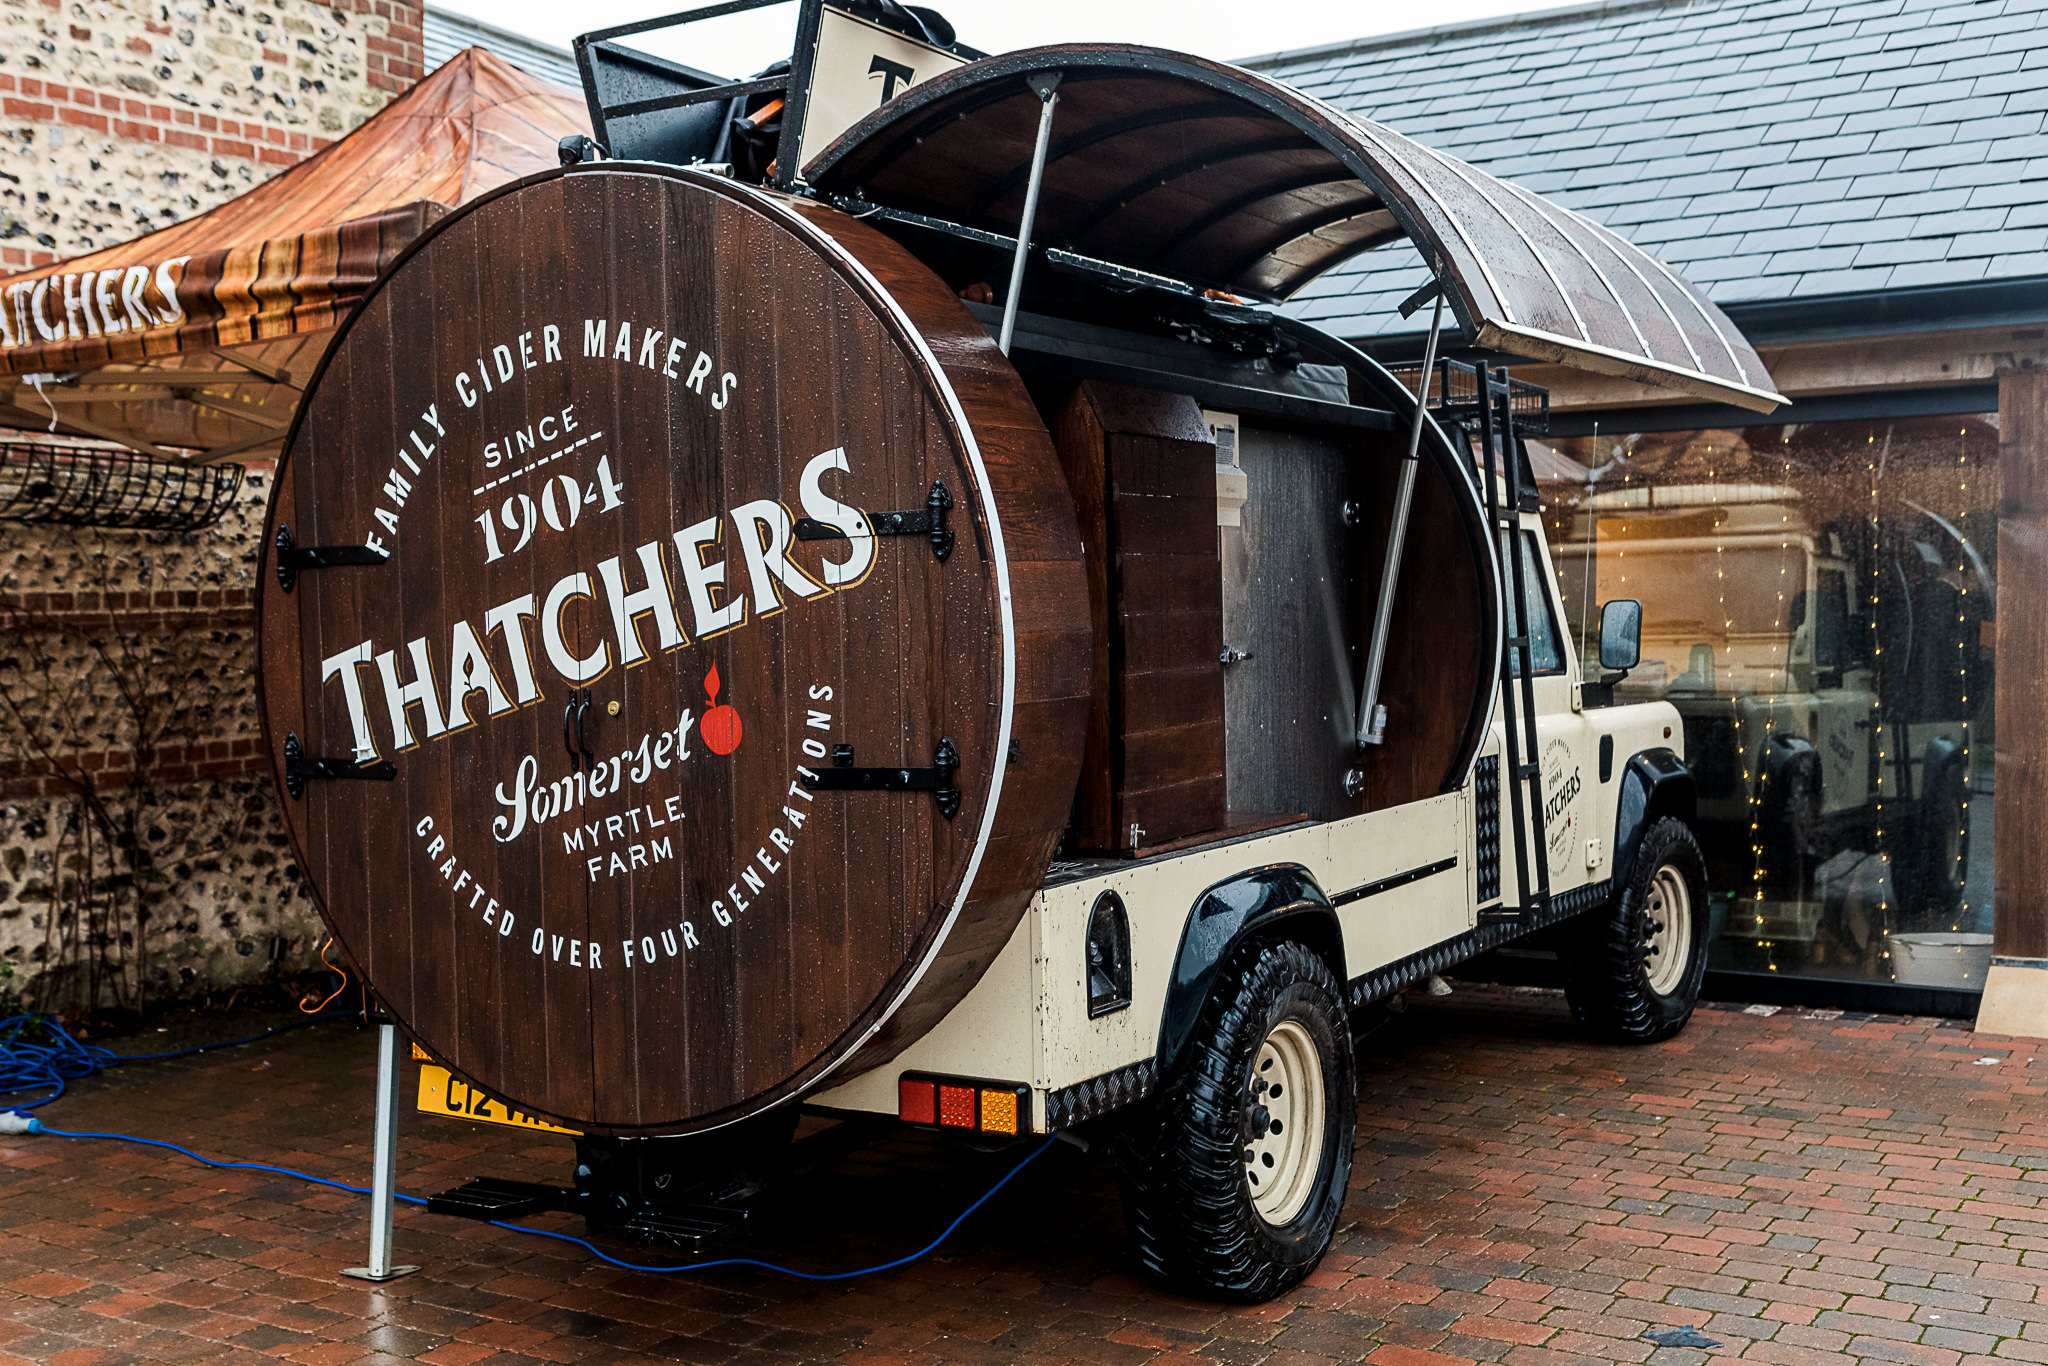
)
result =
(1200, 171)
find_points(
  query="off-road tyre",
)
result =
(1789, 817)
(1928, 875)
(1618, 987)
(1193, 1211)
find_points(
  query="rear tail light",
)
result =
(917, 1102)
(957, 1107)
(963, 1103)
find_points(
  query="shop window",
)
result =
(1818, 607)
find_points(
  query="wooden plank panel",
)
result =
(2019, 905)
(1079, 437)
(1140, 458)
(644, 553)
(1172, 754)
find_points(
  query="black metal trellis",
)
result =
(105, 487)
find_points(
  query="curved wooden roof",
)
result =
(1215, 175)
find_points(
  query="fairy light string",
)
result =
(1887, 889)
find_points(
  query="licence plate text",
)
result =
(442, 1093)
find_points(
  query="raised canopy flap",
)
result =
(1211, 174)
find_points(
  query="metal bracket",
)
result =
(1045, 85)
(291, 559)
(937, 780)
(299, 770)
(1434, 289)
(930, 520)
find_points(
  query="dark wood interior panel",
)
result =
(1436, 652)
(1142, 470)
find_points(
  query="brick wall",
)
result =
(119, 116)
(136, 815)
(139, 840)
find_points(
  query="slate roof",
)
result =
(1768, 149)
(445, 33)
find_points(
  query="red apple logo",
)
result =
(721, 725)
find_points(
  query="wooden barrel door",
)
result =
(707, 701)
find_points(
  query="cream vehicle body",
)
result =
(1402, 887)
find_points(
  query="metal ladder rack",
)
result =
(1524, 777)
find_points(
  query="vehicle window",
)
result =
(1831, 622)
(1545, 654)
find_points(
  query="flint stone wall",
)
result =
(141, 851)
(121, 116)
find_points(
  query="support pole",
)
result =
(1045, 85)
(1372, 719)
(2016, 989)
(384, 1177)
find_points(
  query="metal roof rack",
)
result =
(1454, 393)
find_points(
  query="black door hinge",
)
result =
(930, 520)
(292, 558)
(937, 780)
(299, 770)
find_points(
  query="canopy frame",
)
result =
(1521, 275)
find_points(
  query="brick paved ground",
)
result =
(1806, 1189)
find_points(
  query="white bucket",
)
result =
(1956, 962)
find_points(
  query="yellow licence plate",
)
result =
(444, 1094)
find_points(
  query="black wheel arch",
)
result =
(1782, 751)
(1655, 784)
(1940, 754)
(1280, 901)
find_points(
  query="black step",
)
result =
(489, 1198)
(1528, 770)
(1501, 915)
(693, 1228)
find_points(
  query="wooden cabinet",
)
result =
(1143, 473)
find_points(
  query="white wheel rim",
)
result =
(1667, 930)
(1283, 1150)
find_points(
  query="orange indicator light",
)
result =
(999, 1111)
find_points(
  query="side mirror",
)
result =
(1621, 634)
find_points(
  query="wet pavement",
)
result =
(1802, 1187)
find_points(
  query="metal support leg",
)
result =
(1045, 85)
(384, 1177)
(1372, 719)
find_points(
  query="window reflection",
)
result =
(1818, 605)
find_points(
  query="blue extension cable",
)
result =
(36, 1126)
(31, 1066)
(49, 1056)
